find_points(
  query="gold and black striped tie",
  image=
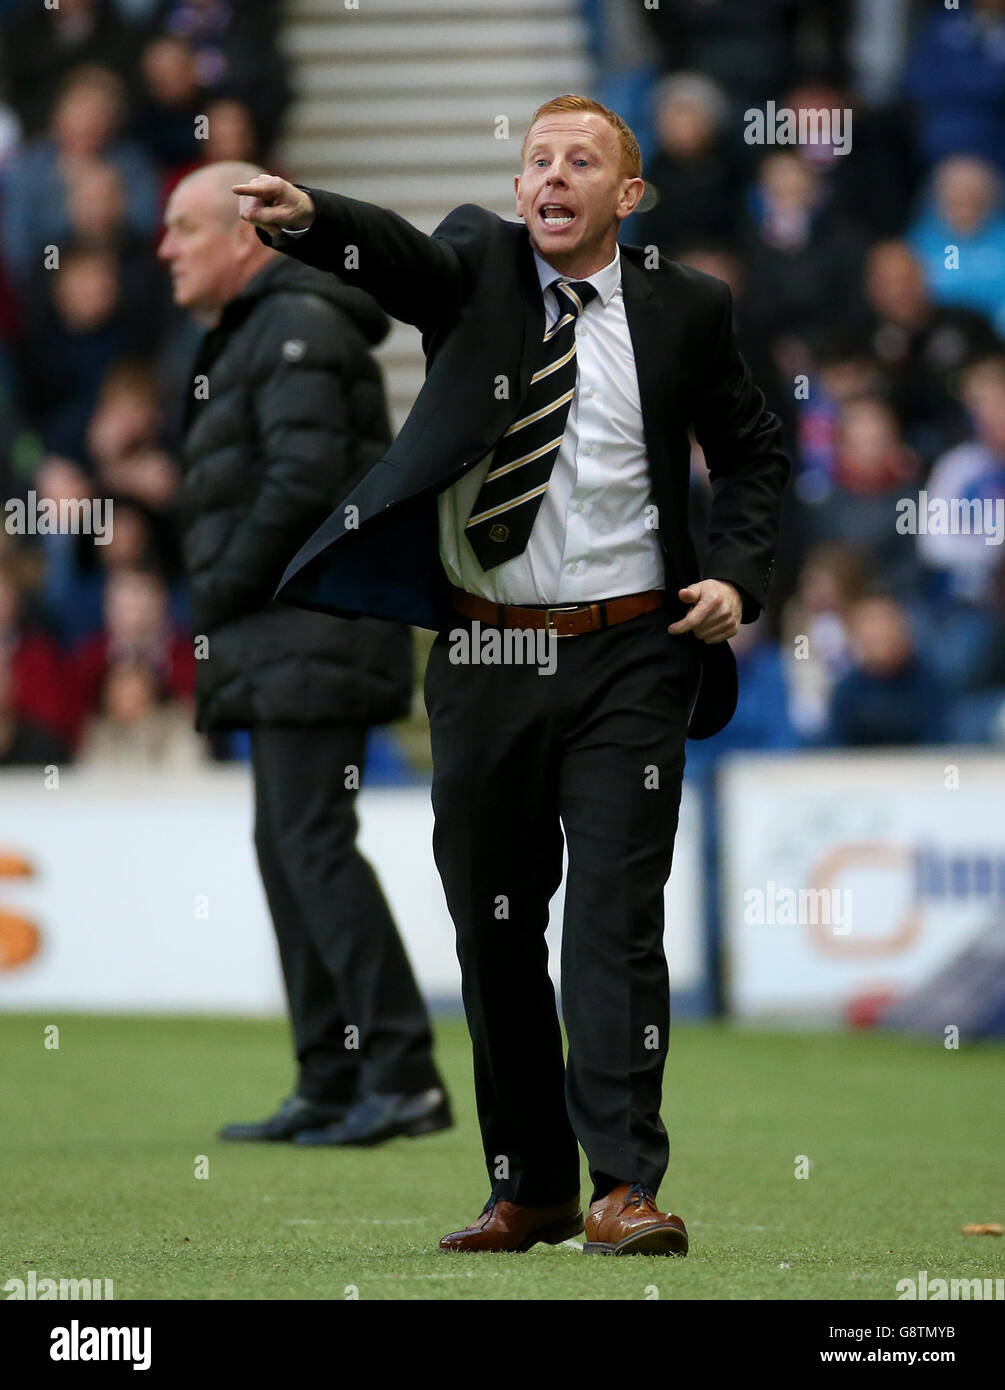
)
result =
(510, 496)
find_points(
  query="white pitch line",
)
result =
(356, 1220)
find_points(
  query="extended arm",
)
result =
(413, 277)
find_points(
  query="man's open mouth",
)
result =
(556, 215)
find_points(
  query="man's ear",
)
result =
(631, 196)
(516, 191)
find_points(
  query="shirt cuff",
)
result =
(301, 231)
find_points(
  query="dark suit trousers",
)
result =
(596, 750)
(344, 965)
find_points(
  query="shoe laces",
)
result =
(489, 1206)
(638, 1196)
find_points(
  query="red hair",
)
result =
(631, 155)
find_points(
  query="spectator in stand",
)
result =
(79, 602)
(86, 126)
(41, 43)
(96, 208)
(844, 372)
(68, 347)
(872, 471)
(23, 743)
(803, 268)
(35, 674)
(889, 696)
(920, 347)
(69, 609)
(972, 473)
(232, 133)
(138, 628)
(125, 448)
(692, 173)
(815, 634)
(170, 103)
(139, 728)
(871, 185)
(956, 79)
(965, 213)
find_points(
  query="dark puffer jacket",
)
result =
(288, 412)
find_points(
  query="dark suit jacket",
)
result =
(473, 291)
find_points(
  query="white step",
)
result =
(422, 38)
(505, 75)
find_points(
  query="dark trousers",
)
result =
(344, 965)
(596, 750)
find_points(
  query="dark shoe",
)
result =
(377, 1118)
(295, 1113)
(628, 1222)
(506, 1227)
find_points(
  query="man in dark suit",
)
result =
(539, 487)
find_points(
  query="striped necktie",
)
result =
(510, 496)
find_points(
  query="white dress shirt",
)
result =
(590, 538)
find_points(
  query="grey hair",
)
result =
(695, 88)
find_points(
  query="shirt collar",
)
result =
(605, 281)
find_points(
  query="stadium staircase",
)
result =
(398, 102)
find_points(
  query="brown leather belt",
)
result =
(563, 619)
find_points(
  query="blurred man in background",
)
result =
(287, 413)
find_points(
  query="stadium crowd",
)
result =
(869, 288)
(104, 108)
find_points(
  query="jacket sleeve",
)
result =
(302, 371)
(413, 277)
(748, 469)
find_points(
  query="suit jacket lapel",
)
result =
(645, 312)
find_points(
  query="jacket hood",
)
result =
(283, 274)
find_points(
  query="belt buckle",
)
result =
(559, 608)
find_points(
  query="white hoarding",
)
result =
(851, 878)
(123, 893)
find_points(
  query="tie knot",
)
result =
(578, 293)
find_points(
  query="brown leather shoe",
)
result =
(504, 1226)
(628, 1222)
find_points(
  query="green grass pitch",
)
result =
(100, 1141)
